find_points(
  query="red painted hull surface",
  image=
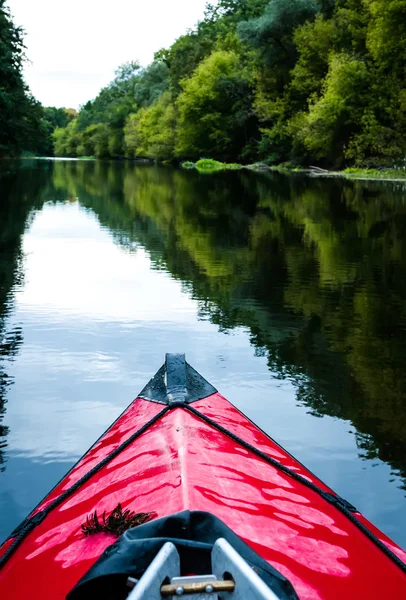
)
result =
(182, 463)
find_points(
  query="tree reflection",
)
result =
(21, 186)
(315, 269)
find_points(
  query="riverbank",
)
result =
(211, 166)
(208, 165)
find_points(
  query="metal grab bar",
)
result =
(232, 577)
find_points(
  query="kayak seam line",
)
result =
(29, 524)
(341, 504)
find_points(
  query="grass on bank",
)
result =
(208, 165)
(376, 173)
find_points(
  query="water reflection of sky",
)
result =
(97, 321)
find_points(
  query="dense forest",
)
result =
(277, 81)
(25, 126)
(299, 81)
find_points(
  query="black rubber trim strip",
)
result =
(176, 385)
(29, 524)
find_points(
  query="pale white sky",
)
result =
(74, 47)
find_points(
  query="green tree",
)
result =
(52, 118)
(150, 132)
(151, 84)
(66, 140)
(272, 32)
(335, 116)
(215, 116)
(314, 42)
(20, 113)
(386, 33)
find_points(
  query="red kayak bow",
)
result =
(182, 449)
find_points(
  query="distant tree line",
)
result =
(274, 80)
(299, 81)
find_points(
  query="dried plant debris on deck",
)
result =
(116, 523)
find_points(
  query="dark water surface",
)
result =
(287, 293)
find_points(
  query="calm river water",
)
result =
(287, 293)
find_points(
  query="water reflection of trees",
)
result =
(21, 187)
(314, 268)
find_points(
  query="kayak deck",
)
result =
(182, 463)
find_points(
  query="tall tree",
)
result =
(215, 109)
(272, 32)
(20, 113)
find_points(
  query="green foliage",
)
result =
(20, 114)
(208, 164)
(335, 116)
(214, 108)
(376, 144)
(214, 32)
(66, 140)
(386, 33)
(58, 117)
(104, 124)
(114, 102)
(300, 81)
(151, 84)
(150, 132)
(314, 42)
(184, 56)
(86, 146)
(272, 32)
(377, 174)
(52, 119)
